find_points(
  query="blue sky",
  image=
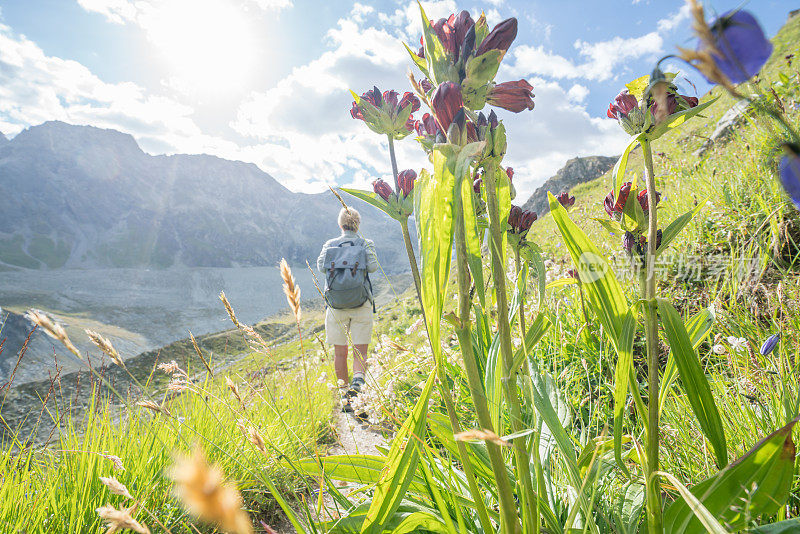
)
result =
(267, 81)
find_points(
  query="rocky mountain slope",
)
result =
(575, 171)
(80, 196)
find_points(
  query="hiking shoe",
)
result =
(346, 408)
(356, 384)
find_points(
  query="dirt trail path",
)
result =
(352, 437)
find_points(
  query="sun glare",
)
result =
(208, 45)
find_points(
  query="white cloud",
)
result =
(676, 19)
(117, 11)
(578, 93)
(123, 11)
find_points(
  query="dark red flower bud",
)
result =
(383, 189)
(425, 84)
(622, 105)
(446, 36)
(405, 181)
(659, 235)
(492, 119)
(510, 173)
(500, 37)
(421, 52)
(409, 100)
(628, 241)
(462, 24)
(476, 185)
(410, 123)
(613, 207)
(691, 101)
(514, 96)
(373, 97)
(672, 105)
(446, 103)
(355, 112)
(566, 200)
(390, 97)
(573, 273)
(642, 198)
(514, 217)
(468, 44)
(527, 219)
(427, 126)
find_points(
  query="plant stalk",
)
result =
(521, 455)
(509, 521)
(394, 162)
(444, 386)
(648, 289)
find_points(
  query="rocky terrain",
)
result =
(575, 171)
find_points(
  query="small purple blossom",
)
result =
(770, 344)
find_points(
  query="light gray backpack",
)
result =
(347, 283)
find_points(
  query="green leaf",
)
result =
(536, 331)
(706, 519)
(471, 231)
(482, 69)
(695, 383)
(370, 197)
(618, 173)
(421, 64)
(401, 464)
(675, 227)
(622, 375)
(789, 526)
(439, 67)
(757, 484)
(603, 291)
(698, 327)
(637, 86)
(677, 119)
(609, 224)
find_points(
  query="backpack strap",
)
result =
(371, 294)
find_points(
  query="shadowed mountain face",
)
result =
(575, 171)
(85, 197)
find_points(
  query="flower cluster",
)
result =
(566, 200)
(520, 221)
(615, 207)
(401, 201)
(384, 113)
(632, 114)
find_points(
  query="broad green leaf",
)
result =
(789, 526)
(471, 231)
(618, 173)
(698, 327)
(674, 228)
(757, 484)
(408, 518)
(535, 333)
(533, 254)
(622, 375)
(418, 61)
(628, 508)
(359, 468)
(482, 69)
(609, 224)
(603, 291)
(694, 380)
(373, 198)
(704, 517)
(677, 119)
(401, 464)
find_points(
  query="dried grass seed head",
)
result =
(105, 345)
(116, 487)
(119, 520)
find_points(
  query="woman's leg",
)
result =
(340, 363)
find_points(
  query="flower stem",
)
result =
(521, 454)
(648, 289)
(466, 464)
(394, 162)
(509, 521)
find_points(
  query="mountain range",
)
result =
(86, 197)
(575, 171)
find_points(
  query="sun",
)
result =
(208, 45)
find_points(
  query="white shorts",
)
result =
(355, 321)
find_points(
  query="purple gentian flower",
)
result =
(742, 44)
(770, 344)
(790, 174)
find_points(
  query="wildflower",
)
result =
(116, 487)
(446, 103)
(382, 188)
(485, 435)
(513, 96)
(628, 241)
(453, 33)
(566, 200)
(405, 181)
(789, 169)
(520, 220)
(425, 84)
(642, 198)
(510, 173)
(674, 103)
(476, 185)
(737, 343)
(613, 207)
(384, 113)
(500, 38)
(737, 44)
(427, 127)
(770, 344)
(622, 105)
(205, 494)
(117, 520)
(718, 349)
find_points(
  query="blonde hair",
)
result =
(349, 219)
